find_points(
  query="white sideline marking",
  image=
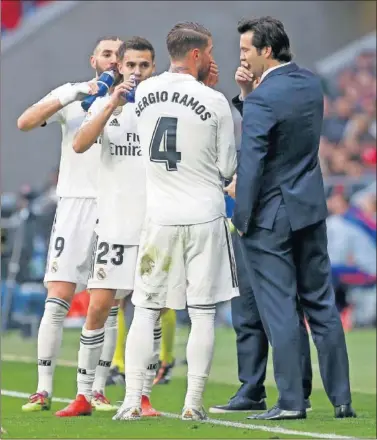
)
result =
(276, 429)
(33, 360)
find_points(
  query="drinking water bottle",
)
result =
(104, 82)
(130, 96)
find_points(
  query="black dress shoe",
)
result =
(276, 413)
(344, 411)
(239, 404)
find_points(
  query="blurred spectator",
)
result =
(352, 250)
(27, 219)
(348, 144)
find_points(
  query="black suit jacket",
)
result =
(278, 161)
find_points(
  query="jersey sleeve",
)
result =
(60, 115)
(225, 141)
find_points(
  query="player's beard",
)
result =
(118, 77)
(203, 72)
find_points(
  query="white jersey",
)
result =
(187, 137)
(121, 195)
(78, 173)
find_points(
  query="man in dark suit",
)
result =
(280, 213)
(252, 342)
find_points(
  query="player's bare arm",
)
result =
(38, 114)
(89, 132)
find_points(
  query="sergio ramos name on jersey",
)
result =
(178, 98)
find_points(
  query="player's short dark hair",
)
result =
(106, 38)
(268, 32)
(186, 36)
(135, 43)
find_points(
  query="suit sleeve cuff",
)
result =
(241, 223)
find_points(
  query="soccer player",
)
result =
(187, 137)
(73, 230)
(121, 212)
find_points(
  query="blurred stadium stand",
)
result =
(14, 12)
(347, 155)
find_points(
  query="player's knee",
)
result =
(61, 290)
(56, 310)
(97, 313)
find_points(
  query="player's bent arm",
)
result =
(226, 145)
(92, 129)
(38, 114)
(48, 109)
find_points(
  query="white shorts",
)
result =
(179, 265)
(72, 240)
(113, 267)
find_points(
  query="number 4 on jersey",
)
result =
(165, 132)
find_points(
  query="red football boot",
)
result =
(79, 407)
(147, 409)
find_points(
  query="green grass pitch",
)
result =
(19, 375)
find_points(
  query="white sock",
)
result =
(108, 349)
(50, 337)
(152, 367)
(199, 353)
(91, 344)
(139, 352)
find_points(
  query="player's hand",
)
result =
(231, 188)
(245, 79)
(118, 96)
(84, 89)
(213, 75)
(76, 92)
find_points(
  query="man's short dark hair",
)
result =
(109, 38)
(268, 32)
(186, 36)
(135, 43)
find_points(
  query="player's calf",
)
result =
(92, 339)
(139, 352)
(50, 336)
(91, 345)
(200, 347)
(99, 401)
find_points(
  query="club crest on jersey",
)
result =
(117, 111)
(54, 266)
(101, 274)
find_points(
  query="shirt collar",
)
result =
(273, 68)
